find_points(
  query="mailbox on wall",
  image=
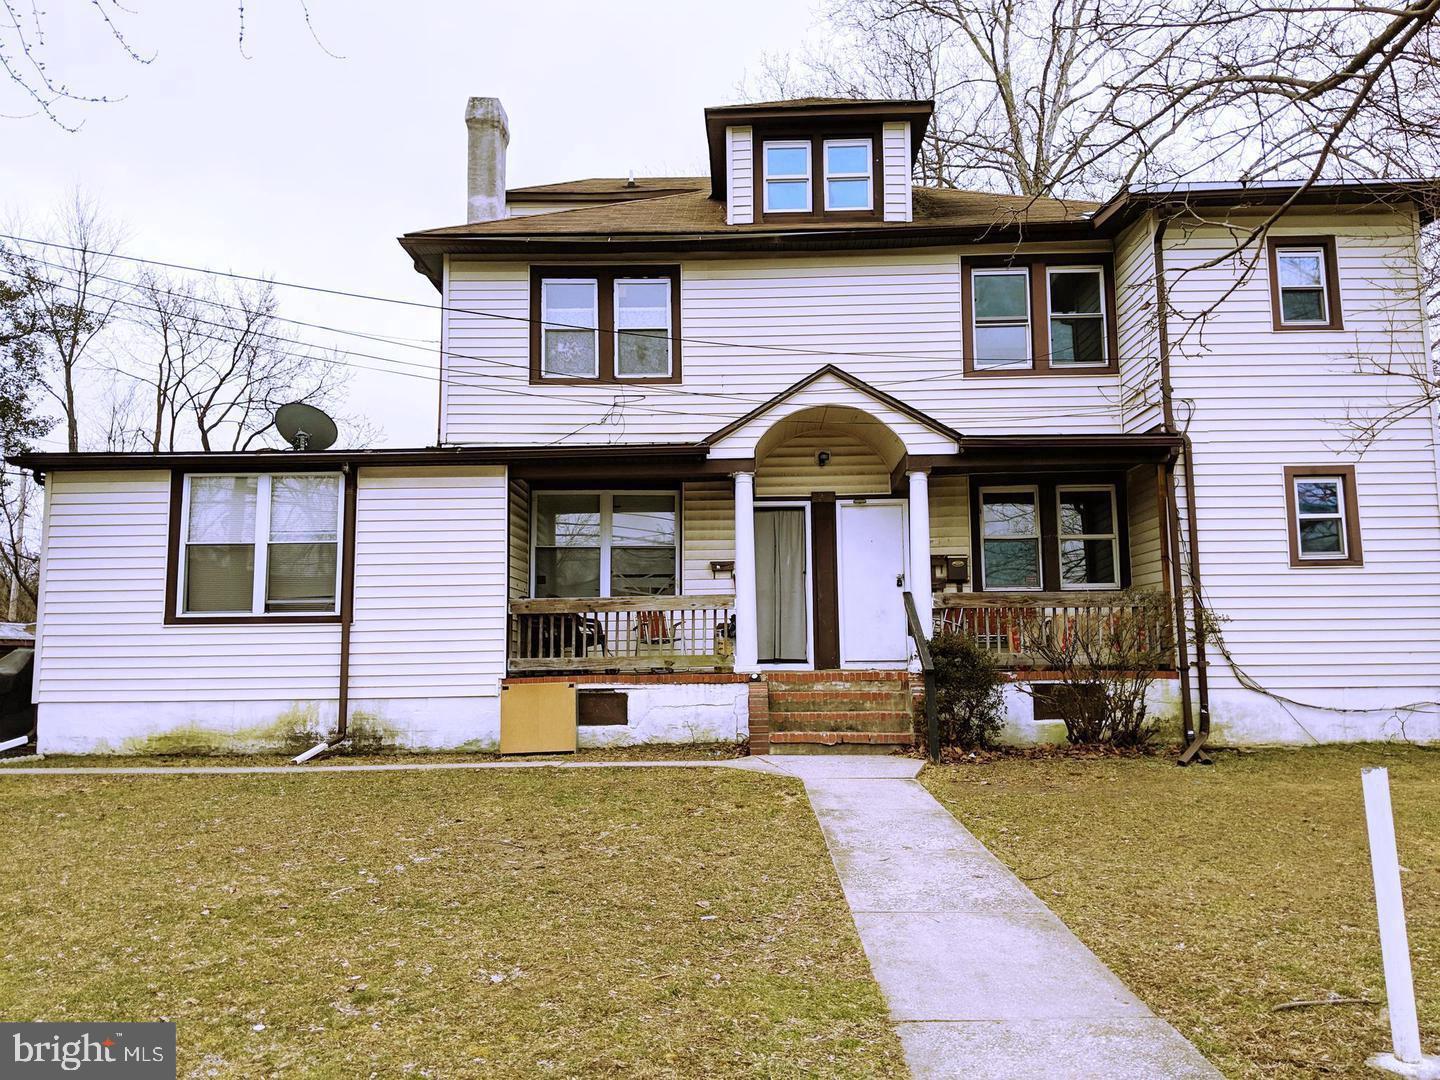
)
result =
(949, 570)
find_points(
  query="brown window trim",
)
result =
(172, 615)
(816, 137)
(1047, 486)
(1354, 553)
(605, 277)
(1037, 265)
(1332, 283)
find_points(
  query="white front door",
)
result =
(872, 557)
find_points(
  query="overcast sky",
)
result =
(303, 167)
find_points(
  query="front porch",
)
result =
(794, 539)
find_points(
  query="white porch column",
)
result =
(918, 579)
(746, 621)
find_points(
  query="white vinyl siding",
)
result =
(1146, 528)
(429, 600)
(1260, 404)
(103, 636)
(430, 583)
(519, 534)
(950, 519)
(853, 469)
(740, 182)
(753, 327)
(707, 528)
(895, 155)
(1136, 329)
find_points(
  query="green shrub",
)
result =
(968, 696)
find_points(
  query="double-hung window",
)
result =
(1089, 539)
(1324, 518)
(601, 543)
(1001, 304)
(787, 176)
(259, 544)
(1303, 292)
(605, 324)
(1010, 538)
(570, 313)
(642, 327)
(848, 180)
(1077, 316)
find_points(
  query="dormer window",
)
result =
(832, 172)
(787, 177)
(848, 180)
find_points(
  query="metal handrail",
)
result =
(927, 670)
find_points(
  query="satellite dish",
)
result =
(305, 427)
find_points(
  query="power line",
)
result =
(451, 309)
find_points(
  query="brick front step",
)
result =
(838, 738)
(857, 675)
(896, 720)
(835, 700)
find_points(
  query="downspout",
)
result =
(347, 614)
(1194, 740)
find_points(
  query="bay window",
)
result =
(259, 544)
(601, 543)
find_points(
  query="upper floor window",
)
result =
(813, 175)
(848, 181)
(1304, 292)
(787, 177)
(1002, 318)
(1077, 316)
(1324, 517)
(258, 544)
(602, 543)
(606, 325)
(1044, 316)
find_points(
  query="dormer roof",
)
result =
(799, 111)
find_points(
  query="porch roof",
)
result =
(626, 460)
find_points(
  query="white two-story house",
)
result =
(702, 439)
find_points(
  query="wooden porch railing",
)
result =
(632, 633)
(1006, 623)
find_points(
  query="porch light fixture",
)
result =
(822, 458)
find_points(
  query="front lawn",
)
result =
(656, 922)
(1217, 893)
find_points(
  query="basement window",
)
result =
(259, 544)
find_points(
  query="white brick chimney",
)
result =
(489, 136)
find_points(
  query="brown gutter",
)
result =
(347, 605)
(1194, 739)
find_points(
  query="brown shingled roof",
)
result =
(607, 187)
(695, 212)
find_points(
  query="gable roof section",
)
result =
(601, 189)
(919, 432)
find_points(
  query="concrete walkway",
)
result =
(982, 979)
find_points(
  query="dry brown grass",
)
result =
(1219, 892)
(657, 922)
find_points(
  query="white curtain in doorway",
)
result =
(780, 585)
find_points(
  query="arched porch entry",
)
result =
(831, 526)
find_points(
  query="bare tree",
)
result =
(230, 390)
(29, 62)
(1072, 97)
(65, 301)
